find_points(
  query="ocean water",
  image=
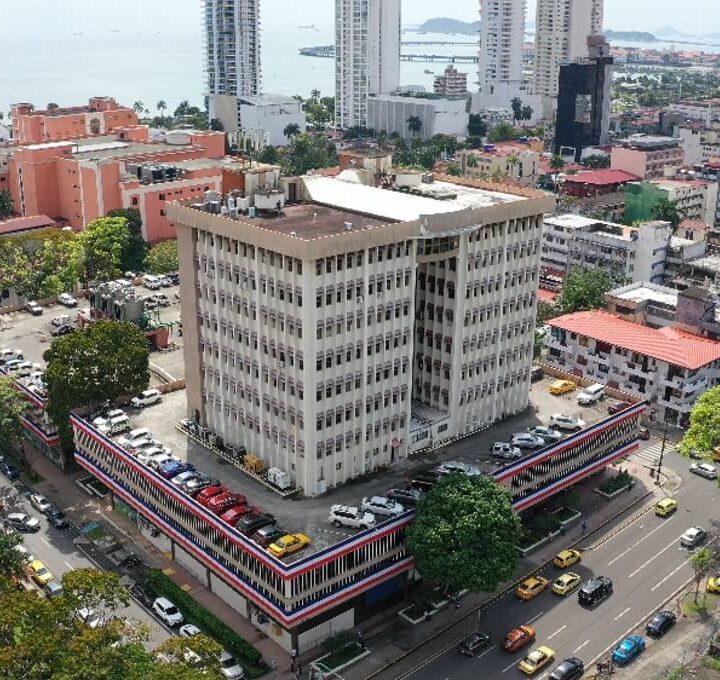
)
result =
(153, 66)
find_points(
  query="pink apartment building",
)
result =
(646, 156)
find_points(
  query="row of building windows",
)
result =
(513, 304)
(354, 290)
(493, 284)
(436, 286)
(514, 226)
(328, 265)
(279, 382)
(373, 403)
(233, 246)
(350, 439)
(330, 326)
(490, 337)
(434, 339)
(242, 307)
(483, 365)
(477, 392)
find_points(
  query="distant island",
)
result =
(632, 36)
(452, 26)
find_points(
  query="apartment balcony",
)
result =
(638, 369)
(677, 382)
(680, 405)
(598, 357)
(555, 343)
(697, 384)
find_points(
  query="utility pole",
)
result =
(662, 454)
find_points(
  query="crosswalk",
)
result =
(650, 455)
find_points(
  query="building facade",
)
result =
(391, 113)
(695, 199)
(451, 83)
(517, 161)
(232, 54)
(647, 156)
(701, 142)
(562, 28)
(367, 56)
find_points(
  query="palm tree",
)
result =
(291, 130)
(517, 107)
(162, 107)
(527, 112)
(472, 161)
(315, 94)
(557, 163)
(512, 162)
(414, 125)
(138, 107)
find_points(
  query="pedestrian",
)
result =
(456, 602)
(584, 526)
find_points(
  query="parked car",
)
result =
(163, 300)
(548, 434)
(34, 308)
(57, 518)
(525, 440)
(454, 466)
(7, 355)
(188, 630)
(565, 422)
(53, 589)
(289, 544)
(210, 492)
(408, 496)
(536, 373)
(173, 468)
(704, 470)
(566, 558)
(537, 659)
(134, 436)
(566, 583)
(40, 573)
(24, 553)
(146, 398)
(618, 406)
(591, 395)
(167, 612)
(505, 451)
(115, 426)
(660, 623)
(693, 537)
(197, 484)
(67, 300)
(229, 667)
(235, 513)
(65, 329)
(518, 638)
(531, 587)
(561, 387)
(473, 644)
(266, 535)
(379, 505)
(61, 320)
(23, 522)
(595, 591)
(425, 479)
(183, 477)
(39, 502)
(569, 669)
(628, 649)
(10, 471)
(224, 501)
(250, 523)
(349, 516)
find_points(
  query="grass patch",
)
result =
(620, 481)
(248, 657)
(565, 514)
(341, 656)
(537, 528)
(706, 604)
(96, 534)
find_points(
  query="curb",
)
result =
(491, 601)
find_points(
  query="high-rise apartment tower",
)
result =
(502, 26)
(367, 55)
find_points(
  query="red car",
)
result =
(209, 493)
(224, 501)
(236, 513)
(619, 406)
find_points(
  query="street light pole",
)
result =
(662, 453)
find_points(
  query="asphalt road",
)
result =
(56, 549)
(644, 561)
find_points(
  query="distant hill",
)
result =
(669, 30)
(446, 25)
(632, 36)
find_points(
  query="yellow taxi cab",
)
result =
(561, 387)
(666, 507)
(531, 587)
(288, 544)
(566, 558)
(40, 573)
(537, 659)
(713, 584)
(566, 583)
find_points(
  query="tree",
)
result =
(527, 112)
(668, 211)
(162, 107)
(291, 130)
(513, 162)
(12, 406)
(52, 106)
(703, 435)
(414, 125)
(183, 109)
(502, 132)
(270, 155)
(162, 258)
(557, 163)
(702, 562)
(584, 289)
(6, 204)
(100, 591)
(465, 534)
(95, 364)
(596, 161)
(476, 126)
(12, 563)
(104, 241)
(138, 107)
(516, 105)
(133, 255)
(454, 169)
(315, 94)
(306, 152)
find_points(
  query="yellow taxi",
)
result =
(561, 387)
(566, 583)
(289, 544)
(566, 558)
(40, 573)
(666, 507)
(713, 584)
(537, 659)
(531, 587)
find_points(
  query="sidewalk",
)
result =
(83, 508)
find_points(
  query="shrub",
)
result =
(622, 479)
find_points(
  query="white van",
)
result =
(152, 282)
(146, 398)
(591, 395)
(115, 425)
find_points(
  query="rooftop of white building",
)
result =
(645, 291)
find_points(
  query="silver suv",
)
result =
(349, 516)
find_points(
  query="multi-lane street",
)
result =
(646, 564)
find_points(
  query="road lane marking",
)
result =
(512, 665)
(671, 574)
(622, 613)
(559, 630)
(69, 566)
(674, 542)
(45, 541)
(535, 618)
(637, 543)
(575, 651)
(487, 651)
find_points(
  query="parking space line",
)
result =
(487, 651)
(622, 613)
(575, 651)
(45, 541)
(637, 543)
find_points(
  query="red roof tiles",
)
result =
(15, 224)
(667, 344)
(602, 177)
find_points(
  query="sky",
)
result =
(44, 18)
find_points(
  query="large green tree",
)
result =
(6, 204)
(103, 361)
(703, 435)
(101, 591)
(104, 241)
(668, 211)
(162, 258)
(584, 289)
(12, 406)
(465, 534)
(477, 127)
(12, 563)
(306, 152)
(133, 255)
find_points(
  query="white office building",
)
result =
(358, 324)
(437, 115)
(561, 32)
(232, 54)
(367, 56)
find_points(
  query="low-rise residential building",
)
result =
(695, 199)
(701, 142)
(451, 83)
(601, 182)
(704, 110)
(669, 367)
(391, 113)
(517, 161)
(647, 155)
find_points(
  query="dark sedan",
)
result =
(661, 623)
(475, 643)
(65, 329)
(568, 670)
(57, 518)
(10, 471)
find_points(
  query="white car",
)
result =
(229, 667)
(33, 307)
(146, 398)
(525, 440)
(693, 537)
(183, 477)
(704, 470)
(134, 435)
(10, 354)
(452, 466)
(39, 502)
(62, 320)
(379, 505)
(350, 516)
(167, 612)
(67, 300)
(22, 522)
(505, 451)
(146, 454)
(24, 553)
(162, 458)
(547, 433)
(188, 630)
(568, 423)
(90, 617)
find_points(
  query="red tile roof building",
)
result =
(596, 182)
